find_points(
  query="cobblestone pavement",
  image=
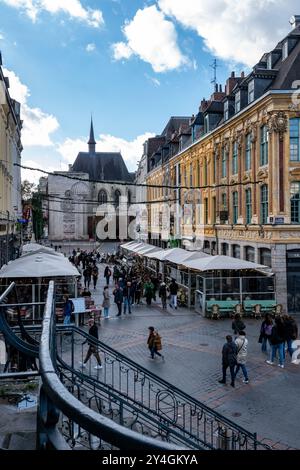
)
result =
(192, 348)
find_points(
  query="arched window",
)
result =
(102, 196)
(117, 197)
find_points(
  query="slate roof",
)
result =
(102, 166)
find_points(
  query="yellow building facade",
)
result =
(243, 186)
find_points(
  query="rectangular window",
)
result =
(235, 207)
(191, 175)
(264, 145)
(251, 91)
(295, 140)
(264, 204)
(248, 199)
(198, 172)
(214, 210)
(295, 203)
(205, 172)
(248, 153)
(226, 111)
(238, 102)
(235, 158)
(215, 166)
(224, 163)
(224, 202)
(269, 62)
(206, 211)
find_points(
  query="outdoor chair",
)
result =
(215, 312)
(238, 309)
(278, 310)
(257, 313)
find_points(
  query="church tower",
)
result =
(92, 142)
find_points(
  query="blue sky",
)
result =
(132, 64)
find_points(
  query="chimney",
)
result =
(295, 21)
(220, 88)
(232, 74)
(243, 74)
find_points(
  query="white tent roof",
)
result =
(146, 249)
(221, 262)
(38, 265)
(128, 244)
(175, 255)
(31, 248)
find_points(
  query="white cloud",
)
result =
(90, 47)
(1, 36)
(73, 8)
(153, 38)
(37, 125)
(232, 29)
(131, 150)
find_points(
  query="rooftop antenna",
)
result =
(214, 66)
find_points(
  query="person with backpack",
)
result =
(238, 325)
(242, 352)
(229, 355)
(265, 333)
(154, 343)
(107, 274)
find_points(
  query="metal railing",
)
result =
(58, 403)
(197, 425)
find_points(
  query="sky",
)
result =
(132, 64)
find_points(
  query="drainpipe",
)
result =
(7, 236)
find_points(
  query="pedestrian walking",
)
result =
(127, 297)
(265, 333)
(229, 354)
(107, 274)
(118, 296)
(138, 292)
(163, 294)
(154, 343)
(148, 291)
(95, 275)
(93, 348)
(106, 302)
(238, 325)
(173, 289)
(277, 342)
(87, 273)
(242, 352)
(290, 332)
(68, 310)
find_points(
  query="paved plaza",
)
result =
(192, 348)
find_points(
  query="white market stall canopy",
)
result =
(176, 255)
(222, 263)
(128, 244)
(37, 266)
(31, 248)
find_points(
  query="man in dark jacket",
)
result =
(290, 332)
(93, 331)
(127, 297)
(118, 295)
(229, 354)
(173, 288)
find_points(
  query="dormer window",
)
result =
(226, 111)
(269, 62)
(285, 50)
(251, 91)
(238, 102)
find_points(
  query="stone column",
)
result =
(278, 256)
